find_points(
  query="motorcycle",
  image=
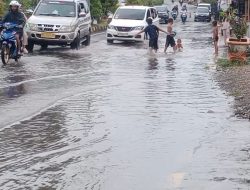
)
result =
(183, 17)
(174, 14)
(8, 42)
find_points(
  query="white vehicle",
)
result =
(207, 5)
(128, 21)
(59, 22)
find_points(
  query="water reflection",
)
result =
(153, 63)
(13, 91)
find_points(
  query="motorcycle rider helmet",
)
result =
(14, 3)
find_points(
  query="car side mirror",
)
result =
(82, 14)
(29, 11)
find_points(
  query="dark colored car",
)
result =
(202, 14)
(163, 14)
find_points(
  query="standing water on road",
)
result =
(108, 117)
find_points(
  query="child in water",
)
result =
(179, 45)
(170, 36)
(153, 32)
(215, 37)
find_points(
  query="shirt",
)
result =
(14, 17)
(152, 31)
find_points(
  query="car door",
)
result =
(84, 21)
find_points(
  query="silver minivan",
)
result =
(59, 22)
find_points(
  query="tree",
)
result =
(2, 8)
(134, 2)
(96, 8)
(109, 6)
(145, 2)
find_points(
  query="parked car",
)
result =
(206, 5)
(128, 21)
(202, 14)
(163, 14)
(56, 22)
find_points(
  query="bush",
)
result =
(2, 8)
(96, 8)
(226, 63)
(145, 2)
(109, 6)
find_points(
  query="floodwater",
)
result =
(110, 117)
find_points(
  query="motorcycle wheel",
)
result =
(5, 54)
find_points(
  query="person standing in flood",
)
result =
(226, 30)
(170, 41)
(215, 37)
(153, 32)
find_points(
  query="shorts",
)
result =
(216, 39)
(153, 43)
(170, 41)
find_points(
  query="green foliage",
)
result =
(145, 2)
(134, 2)
(109, 6)
(2, 7)
(209, 1)
(226, 63)
(96, 8)
(239, 27)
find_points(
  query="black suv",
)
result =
(163, 14)
(202, 14)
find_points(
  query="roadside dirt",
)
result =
(236, 82)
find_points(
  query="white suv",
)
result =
(59, 22)
(128, 21)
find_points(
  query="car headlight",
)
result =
(31, 26)
(66, 28)
(138, 28)
(111, 27)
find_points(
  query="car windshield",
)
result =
(130, 14)
(56, 8)
(202, 10)
(161, 9)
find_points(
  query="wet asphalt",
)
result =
(111, 117)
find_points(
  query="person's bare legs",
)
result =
(216, 48)
(150, 51)
(25, 42)
(225, 37)
(165, 49)
(174, 48)
(18, 44)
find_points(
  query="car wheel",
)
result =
(110, 41)
(30, 46)
(76, 43)
(44, 46)
(87, 41)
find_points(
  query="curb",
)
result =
(97, 28)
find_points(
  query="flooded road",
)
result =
(109, 117)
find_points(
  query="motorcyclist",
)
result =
(16, 17)
(184, 8)
(175, 8)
